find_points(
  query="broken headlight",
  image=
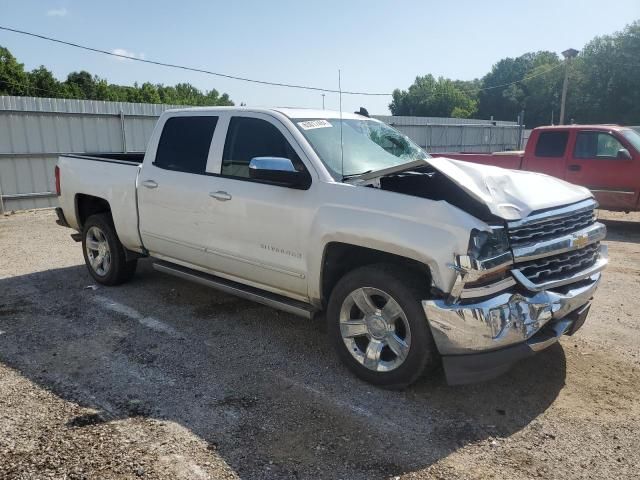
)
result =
(483, 244)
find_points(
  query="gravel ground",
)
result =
(163, 379)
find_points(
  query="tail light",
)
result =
(57, 173)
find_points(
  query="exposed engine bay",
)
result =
(427, 182)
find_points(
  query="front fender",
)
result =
(432, 237)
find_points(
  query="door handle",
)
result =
(150, 184)
(220, 195)
(574, 168)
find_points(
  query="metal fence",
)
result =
(457, 134)
(34, 131)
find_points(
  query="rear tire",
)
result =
(378, 327)
(103, 252)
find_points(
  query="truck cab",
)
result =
(603, 158)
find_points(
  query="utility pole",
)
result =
(520, 129)
(568, 55)
(322, 100)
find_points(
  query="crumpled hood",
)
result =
(510, 194)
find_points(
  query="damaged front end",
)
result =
(518, 289)
(525, 281)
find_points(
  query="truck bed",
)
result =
(108, 176)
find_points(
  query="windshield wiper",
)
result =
(353, 175)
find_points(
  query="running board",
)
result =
(239, 290)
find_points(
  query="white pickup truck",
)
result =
(416, 260)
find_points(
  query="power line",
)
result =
(182, 67)
(251, 80)
(26, 85)
(523, 79)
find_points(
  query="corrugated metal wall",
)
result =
(457, 134)
(34, 131)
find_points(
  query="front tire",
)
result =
(103, 252)
(377, 325)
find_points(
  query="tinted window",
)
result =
(596, 145)
(251, 137)
(184, 144)
(552, 144)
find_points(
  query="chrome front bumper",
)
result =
(482, 340)
(504, 320)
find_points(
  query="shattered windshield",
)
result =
(369, 145)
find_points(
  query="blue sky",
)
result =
(379, 45)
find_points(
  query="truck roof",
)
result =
(289, 112)
(601, 126)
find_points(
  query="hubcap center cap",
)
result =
(377, 326)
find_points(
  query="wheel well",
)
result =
(341, 258)
(87, 205)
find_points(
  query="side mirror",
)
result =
(623, 154)
(278, 171)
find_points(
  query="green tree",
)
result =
(42, 83)
(431, 97)
(605, 82)
(212, 97)
(13, 78)
(83, 85)
(149, 93)
(521, 83)
(543, 88)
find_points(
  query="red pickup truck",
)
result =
(603, 158)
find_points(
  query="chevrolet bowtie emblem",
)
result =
(580, 241)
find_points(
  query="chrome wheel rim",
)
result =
(98, 251)
(375, 329)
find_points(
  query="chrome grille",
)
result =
(550, 228)
(559, 266)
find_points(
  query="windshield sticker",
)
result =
(311, 124)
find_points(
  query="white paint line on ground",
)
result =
(132, 313)
(341, 404)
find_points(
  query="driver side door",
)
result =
(595, 164)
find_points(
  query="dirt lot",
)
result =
(165, 379)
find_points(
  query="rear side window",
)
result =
(552, 144)
(184, 144)
(248, 138)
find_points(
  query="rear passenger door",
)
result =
(549, 155)
(595, 164)
(173, 190)
(263, 228)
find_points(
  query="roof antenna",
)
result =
(341, 144)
